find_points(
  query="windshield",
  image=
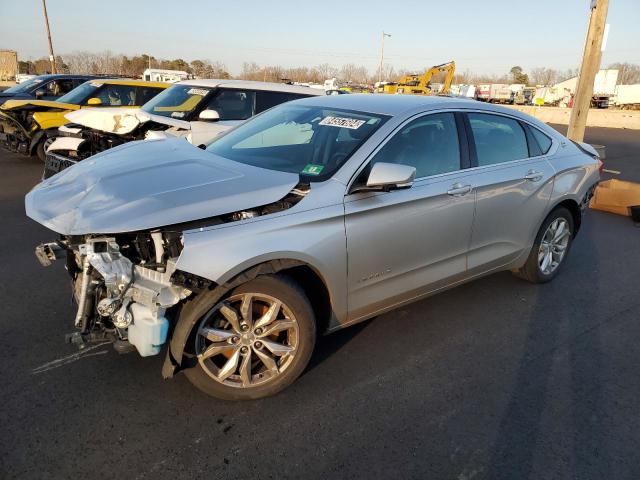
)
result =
(78, 95)
(25, 86)
(311, 141)
(177, 101)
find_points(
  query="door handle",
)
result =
(458, 190)
(533, 176)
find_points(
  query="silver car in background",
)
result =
(317, 214)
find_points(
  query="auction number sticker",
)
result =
(198, 91)
(352, 123)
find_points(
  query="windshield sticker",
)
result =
(198, 91)
(312, 169)
(352, 123)
(177, 114)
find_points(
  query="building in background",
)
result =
(8, 65)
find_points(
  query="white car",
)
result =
(197, 110)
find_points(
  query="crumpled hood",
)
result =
(43, 104)
(117, 120)
(147, 184)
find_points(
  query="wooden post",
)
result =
(588, 70)
(52, 58)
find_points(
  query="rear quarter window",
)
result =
(541, 139)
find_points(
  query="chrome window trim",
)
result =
(554, 144)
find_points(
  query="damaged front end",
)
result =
(76, 142)
(122, 285)
(23, 123)
(16, 130)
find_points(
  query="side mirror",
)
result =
(41, 92)
(94, 101)
(209, 115)
(389, 176)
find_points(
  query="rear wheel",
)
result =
(255, 342)
(550, 249)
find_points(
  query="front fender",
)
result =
(47, 120)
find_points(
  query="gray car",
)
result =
(317, 214)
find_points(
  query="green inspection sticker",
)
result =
(312, 169)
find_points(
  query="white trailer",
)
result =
(500, 93)
(604, 87)
(627, 97)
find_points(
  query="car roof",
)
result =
(252, 85)
(50, 76)
(386, 104)
(394, 105)
(131, 82)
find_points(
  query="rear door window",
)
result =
(265, 100)
(497, 139)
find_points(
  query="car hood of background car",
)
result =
(149, 184)
(11, 104)
(119, 120)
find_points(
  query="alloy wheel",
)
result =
(553, 245)
(247, 340)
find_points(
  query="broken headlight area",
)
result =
(16, 130)
(96, 141)
(122, 285)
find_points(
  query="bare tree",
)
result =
(544, 76)
(629, 73)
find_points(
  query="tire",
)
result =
(40, 147)
(221, 374)
(532, 270)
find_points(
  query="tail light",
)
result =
(600, 166)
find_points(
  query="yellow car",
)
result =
(27, 125)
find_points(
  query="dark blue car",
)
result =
(44, 87)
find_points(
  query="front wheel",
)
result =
(42, 146)
(255, 342)
(550, 247)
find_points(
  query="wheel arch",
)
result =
(574, 208)
(303, 273)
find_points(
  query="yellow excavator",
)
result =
(421, 84)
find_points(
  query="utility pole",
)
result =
(382, 56)
(588, 70)
(52, 58)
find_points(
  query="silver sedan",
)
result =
(314, 215)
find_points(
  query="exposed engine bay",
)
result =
(122, 286)
(126, 285)
(16, 127)
(77, 142)
(96, 141)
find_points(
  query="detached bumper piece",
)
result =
(55, 163)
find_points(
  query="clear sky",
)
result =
(486, 36)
